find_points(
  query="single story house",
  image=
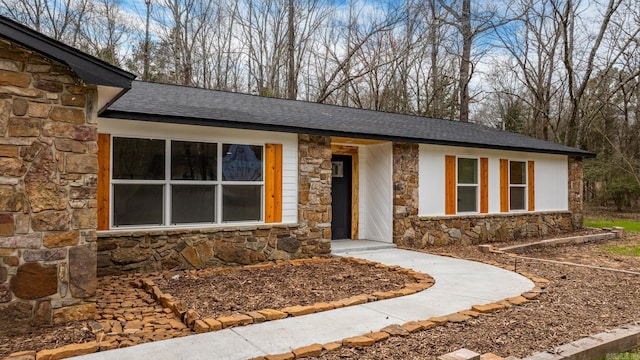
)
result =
(101, 174)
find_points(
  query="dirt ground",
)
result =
(577, 302)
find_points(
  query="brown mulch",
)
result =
(577, 302)
(45, 337)
(595, 254)
(214, 294)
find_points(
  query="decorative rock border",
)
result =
(621, 339)
(624, 338)
(194, 321)
(616, 233)
(422, 325)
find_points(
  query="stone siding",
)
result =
(405, 191)
(142, 251)
(314, 193)
(415, 231)
(145, 251)
(483, 229)
(576, 188)
(48, 174)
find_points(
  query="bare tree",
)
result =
(470, 23)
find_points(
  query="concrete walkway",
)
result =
(459, 285)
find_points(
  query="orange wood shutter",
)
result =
(484, 185)
(531, 187)
(504, 185)
(450, 185)
(273, 183)
(104, 175)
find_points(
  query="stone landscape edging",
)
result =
(195, 322)
(372, 338)
(516, 249)
(620, 339)
(407, 328)
(192, 319)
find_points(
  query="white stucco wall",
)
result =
(551, 177)
(117, 127)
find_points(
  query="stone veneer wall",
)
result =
(576, 188)
(482, 229)
(48, 174)
(314, 191)
(405, 191)
(415, 231)
(143, 251)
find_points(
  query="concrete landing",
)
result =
(339, 247)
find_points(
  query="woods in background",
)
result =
(561, 70)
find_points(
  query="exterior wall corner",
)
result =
(576, 188)
(48, 177)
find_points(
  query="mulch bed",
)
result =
(586, 254)
(214, 294)
(576, 303)
(45, 337)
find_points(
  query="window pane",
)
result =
(192, 204)
(193, 160)
(516, 198)
(467, 198)
(518, 172)
(241, 202)
(135, 204)
(138, 159)
(241, 162)
(467, 171)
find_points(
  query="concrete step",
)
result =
(342, 247)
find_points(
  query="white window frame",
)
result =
(476, 185)
(168, 182)
(524, 185)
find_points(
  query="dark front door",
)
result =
(341, 194)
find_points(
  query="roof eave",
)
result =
(90, 69)
(125, 115)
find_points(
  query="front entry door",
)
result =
(341, 194)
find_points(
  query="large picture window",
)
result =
(467, 190)
(517, 185)
(169, 182)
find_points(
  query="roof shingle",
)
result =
(178, 104)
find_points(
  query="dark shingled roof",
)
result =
(178, 104)
(90, 69)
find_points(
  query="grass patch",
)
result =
(628, 225)
(631, 355)
(622, 250)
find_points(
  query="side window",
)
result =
(517, 185)
(467, 185)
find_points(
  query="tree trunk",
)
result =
(465, 61)
(292, 88)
